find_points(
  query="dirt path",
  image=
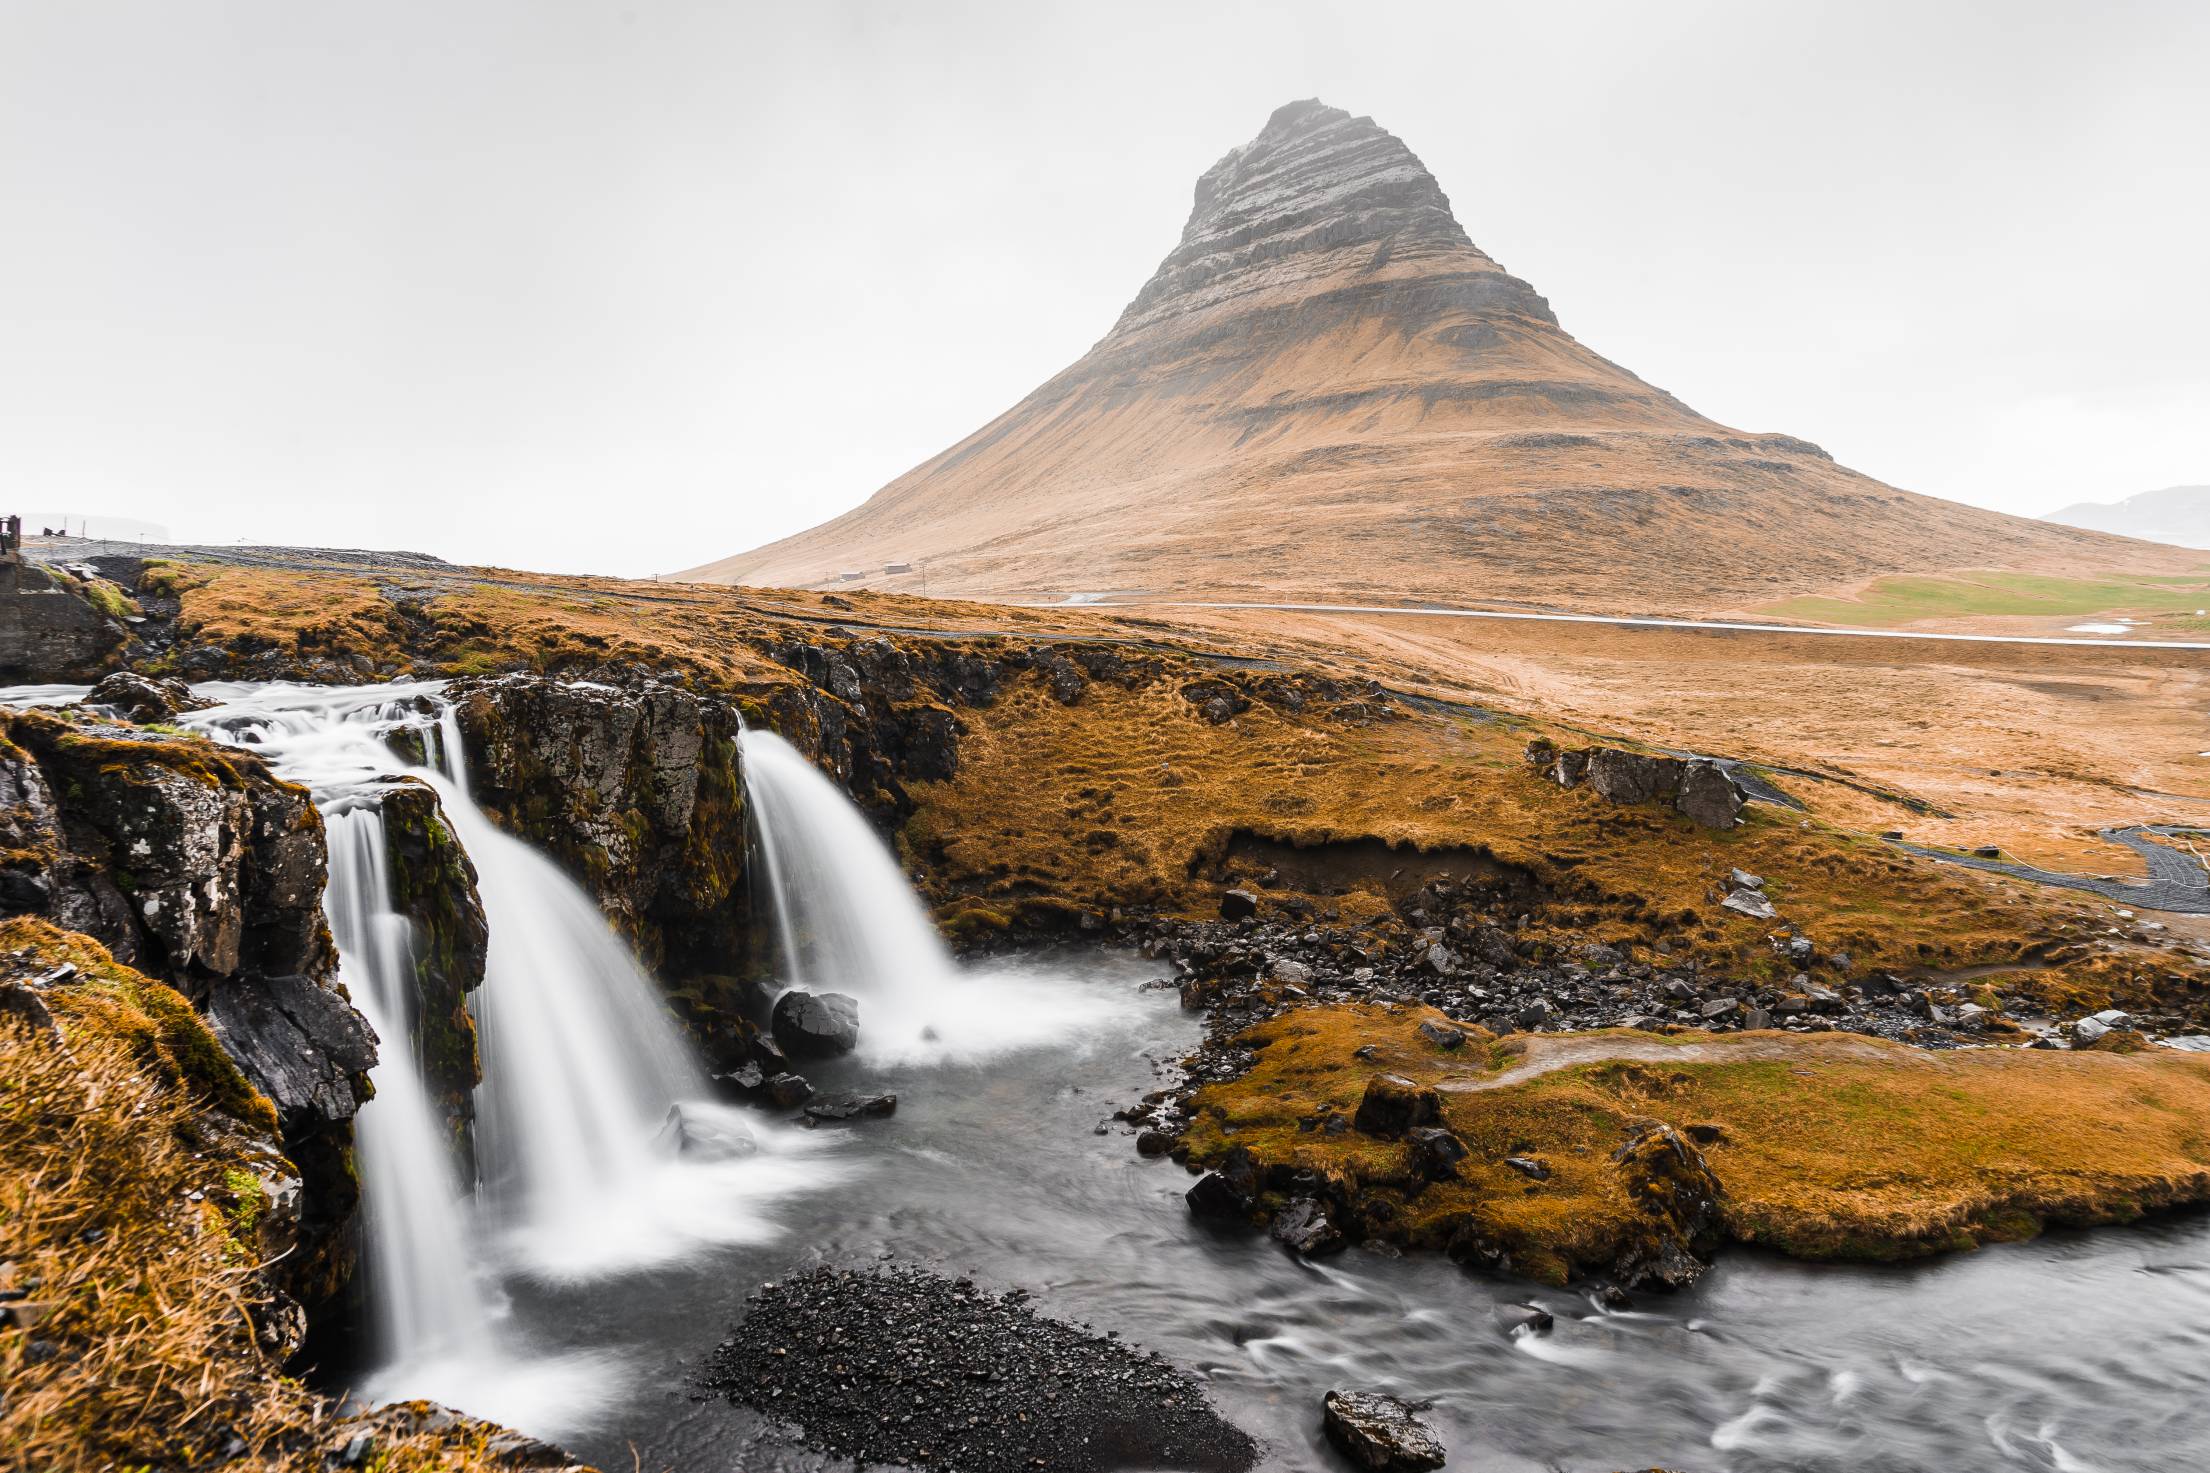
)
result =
(1548, 1053)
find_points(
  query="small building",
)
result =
(895, 568)
(851, 577)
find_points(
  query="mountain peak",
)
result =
(1314, 183)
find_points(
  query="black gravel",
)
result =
(900, 1365)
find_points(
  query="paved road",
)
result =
(1634, 622)
(2177, 880)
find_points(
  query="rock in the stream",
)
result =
(1380, 1433)
(142, 699)
(1393, 1105)
(696, 1135)
(1304, 1227)
(816, 1025)
(1523, 1319)
(850, 1106)
(788, 1091)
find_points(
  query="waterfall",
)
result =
(581, 1064)
(427, 1302)
(848, 921)
(581, 1069)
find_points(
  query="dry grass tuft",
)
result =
(128, 1253)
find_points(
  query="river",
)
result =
(2074, 1352)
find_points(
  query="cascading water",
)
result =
(849, 922)
(428, 1304)
(581, 1069)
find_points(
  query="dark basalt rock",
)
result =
(142, 699)
(1436, 1152)
(816, 1025)
(1393, 1105)
(433, 884)
(1379, 1433)
(851, 1107)
(1304, 1227)
(301, 1044)
(788, 1091)
(1237, 904)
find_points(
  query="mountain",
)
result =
(1327, 389)
(2179, 515)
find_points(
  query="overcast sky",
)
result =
(621, 287)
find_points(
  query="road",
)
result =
(1627, 621)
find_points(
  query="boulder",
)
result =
(1708, 796)
(1304, 1227)
(1442, 1035)
(2087, 1031)
(815, 1025)
(1528, 1167)
(1393, 1105)
(1379, 1433)
(1679, 1199)
(1236, 905)
(143, 700)
(1742, 879)
(1214, 1196)
(1435, 1152)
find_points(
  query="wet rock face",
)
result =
(637, 792)
(1379, 1432)
(195, 865)
(433, 885)
(187, 862)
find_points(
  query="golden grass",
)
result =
(142, 1350)
(1126, 798)
(1828, 1146)
(1129, 797)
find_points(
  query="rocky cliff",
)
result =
(194, 865)
(1327, 388)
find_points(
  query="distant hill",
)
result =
(1328, 390)
(2179, 515)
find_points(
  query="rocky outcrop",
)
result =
(1699, 788)
(637, 791)
(55, 627)
(433, 885)
(195, 865)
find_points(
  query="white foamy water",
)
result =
(581, 1068)
(849, 922)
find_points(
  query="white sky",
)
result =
(623, 287)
